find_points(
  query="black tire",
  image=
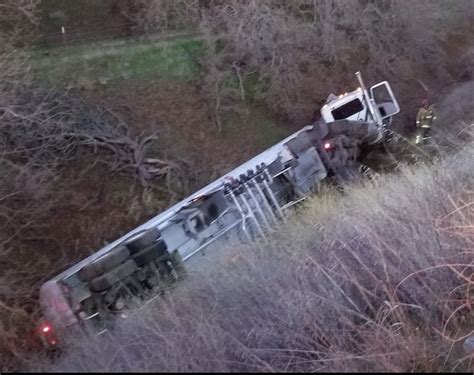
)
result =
(108, 279)
(150, 253)
(142, 240)
(105, 263)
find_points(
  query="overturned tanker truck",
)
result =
(244, 203)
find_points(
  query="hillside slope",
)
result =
(378, 278)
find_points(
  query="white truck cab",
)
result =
(376, 105)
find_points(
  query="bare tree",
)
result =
(299, 50)
(17, 18)
(291, 54)
(166, 15)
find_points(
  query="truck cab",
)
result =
(377, 105)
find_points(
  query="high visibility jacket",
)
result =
(425, 117)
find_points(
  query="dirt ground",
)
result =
(184, 122)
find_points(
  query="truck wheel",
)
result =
(149, 254)
(142, 240)
(103, 264)
(108, 279)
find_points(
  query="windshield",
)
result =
(347, 110)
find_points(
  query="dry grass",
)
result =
(379, 278)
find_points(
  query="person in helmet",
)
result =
(424, 120)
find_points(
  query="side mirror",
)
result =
(383, 97)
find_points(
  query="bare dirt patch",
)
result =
(183, 119)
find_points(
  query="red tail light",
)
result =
(47, 334)
(327, 145)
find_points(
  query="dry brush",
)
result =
(376, 279)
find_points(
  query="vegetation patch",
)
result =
(171, 59)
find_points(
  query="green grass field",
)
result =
(169, 59)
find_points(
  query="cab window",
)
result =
(347, 110)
